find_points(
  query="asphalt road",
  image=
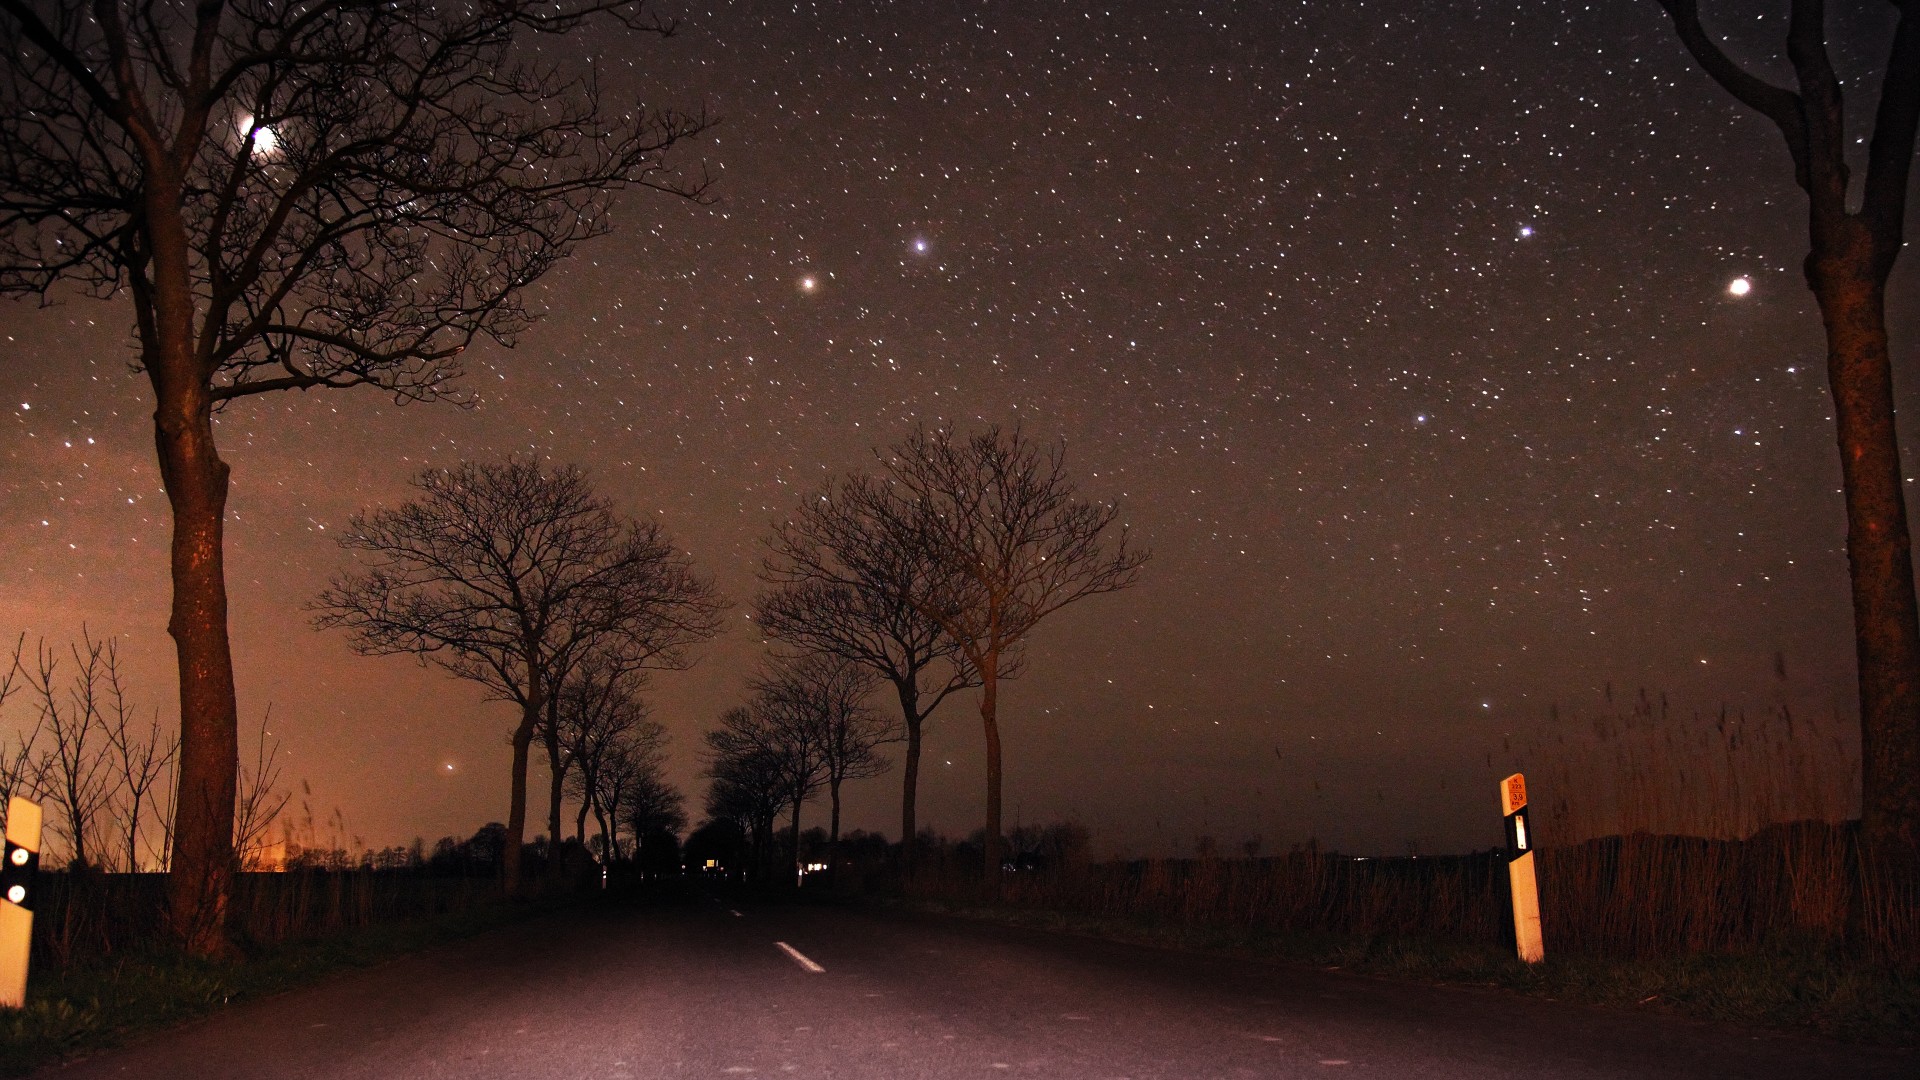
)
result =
(696, 990)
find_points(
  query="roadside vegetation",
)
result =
(306, 897)
(1705, 863)
(1445, 920)
(103, 1000)
(103, 971)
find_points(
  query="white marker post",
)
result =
(17, 869)
(1526, 890)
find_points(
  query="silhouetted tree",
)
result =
(294, 196)
(656, 815)
(616, 748)
(773, 747)
(594, 707)
(1013, 542)
(258, 798)
(141, 759)
(655, 806)
(17, 771)
(842, 583)
(74, 773)
(820, 700)
(1851, 255)
(503, 573)
(750, 781)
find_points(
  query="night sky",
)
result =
(1405, 338)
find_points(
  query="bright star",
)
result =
(808, 284)
(920, 245)
(1526, 231)
(1740, 286)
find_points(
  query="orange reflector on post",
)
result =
(1521, 881)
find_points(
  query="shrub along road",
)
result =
(705, 988)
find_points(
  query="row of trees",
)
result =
(806, 727)
(927, 575)
(524, 580)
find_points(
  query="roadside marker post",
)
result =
(17, 870)
(1520, 876)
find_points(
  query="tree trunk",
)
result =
(133, 837)
(600, 818)
(1851, 292)
(555, 795)
(833, 834)
(794, 835)
(990, 721)
(517, 812)
(910, 786)
(200, 880)
(580, 824)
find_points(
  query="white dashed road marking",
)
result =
(801, 959)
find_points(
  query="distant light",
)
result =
(920, 244)
(808, 284)
(1421, 419)
(1740, 286)
(1526, 231)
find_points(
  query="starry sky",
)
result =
(1403, 333)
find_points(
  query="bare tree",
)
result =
(819, 699)
(74, 772)
(632, 768)
(260, 798)
(842, 583)
(655, 812)
(604, 726)
(772, 745)
(751, 782)
(142, 759)
(1851, 255)
(504, 574)
(17, 766)
(294, 196)
(1013, 542)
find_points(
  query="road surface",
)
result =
(704, 989)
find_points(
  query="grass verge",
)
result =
(1809, 989)
(95, 1007)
